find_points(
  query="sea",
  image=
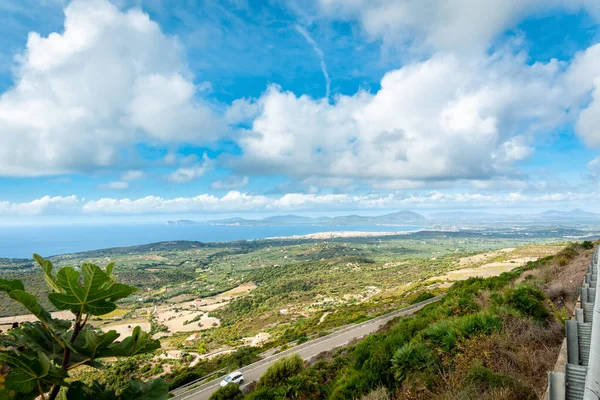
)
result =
(49, 240)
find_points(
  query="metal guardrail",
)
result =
(191, 385)
(198, 385)
(581, 379)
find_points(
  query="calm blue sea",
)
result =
(22, 242)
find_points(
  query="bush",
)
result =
(446, 333)
(182, 379)
(231, 391)
(528, 301)
(422, 297)
(587, 244)
(266, 393)
(411, 358)
(116, 378)
(281, 370)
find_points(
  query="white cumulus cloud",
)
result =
(191, 172)
(235, 201)
(465, 26)
(445, 118)
(111, 79)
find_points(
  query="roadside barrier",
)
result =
(581, 379)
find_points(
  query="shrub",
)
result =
(528, 301)
(231, 391)
(302, 339)
(411, 358)
(446, 333)
(586, 244)
(267, 393)
(243, 356)
(281, 370)
(422, 297)
(182, 379)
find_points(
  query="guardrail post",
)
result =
(592, 378)
(556, 386)
(572, 342)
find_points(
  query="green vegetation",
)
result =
(43, 354)
(231, 391)
(280, 371)
(270, 295)
(456, 348)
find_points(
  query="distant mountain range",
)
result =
(407, 218)
(576, 215)
(397, 218)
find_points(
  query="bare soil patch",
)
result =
(241, 289)
(515, 258)
(175, 320)
(6, 322)
(477, 258)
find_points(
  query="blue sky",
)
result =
(131, 108)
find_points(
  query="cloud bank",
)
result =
(235, 201)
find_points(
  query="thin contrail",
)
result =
(317, 50)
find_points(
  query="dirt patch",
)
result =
(519, 258)
(154, 257)
(477, 258)
(216, 354)
(180, 298)
(6, 322)
(564, 281)
(68, 315)
(176, 320)
(243, 288)
(325, 314)
(212, 307)
(485, 271)
(256, 341)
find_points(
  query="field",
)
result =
(214, 303)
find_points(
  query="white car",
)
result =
(234, 377)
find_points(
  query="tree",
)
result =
(49, 349)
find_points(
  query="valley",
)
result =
(220, 306)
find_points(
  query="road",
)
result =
(306, 350)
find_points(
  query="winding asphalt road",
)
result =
(306, 350)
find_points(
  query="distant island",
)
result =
(403, 218)
(397, 218)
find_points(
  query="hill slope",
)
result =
(492, 338)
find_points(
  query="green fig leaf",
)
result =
(139, 342)
(96, 296)
(8, 286)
